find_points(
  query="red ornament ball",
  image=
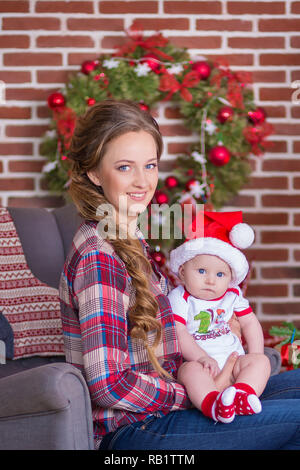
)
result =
(171, 182)
(203, 69)
(161, 197)
(88, 66)
(143, 106)
(219, 155)
(225, 114)
(90, 101)
(158, 257)
(152, 61)
(257, 116)
(56, 101)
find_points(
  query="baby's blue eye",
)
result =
(220, 274)
(201, 271)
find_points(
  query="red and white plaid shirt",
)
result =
(96, 293)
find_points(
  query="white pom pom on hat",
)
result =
(222, 234)
(241, 236)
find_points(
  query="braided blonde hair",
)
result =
(102, 123)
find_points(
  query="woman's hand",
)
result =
(225, 378)
(235, 326)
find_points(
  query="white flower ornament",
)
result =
(111, 63)
(142, 70)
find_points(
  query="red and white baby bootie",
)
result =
(220, 406)
(246, 401)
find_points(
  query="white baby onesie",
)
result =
(207, 320)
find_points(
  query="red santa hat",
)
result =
(221, 234)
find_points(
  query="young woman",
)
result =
(117, 320)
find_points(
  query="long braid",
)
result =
(142, 315)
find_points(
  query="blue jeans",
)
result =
(276, 427)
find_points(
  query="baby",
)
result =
(211, 267)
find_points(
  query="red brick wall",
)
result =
(43, 41)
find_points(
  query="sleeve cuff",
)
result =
(241, 313)
(179, 319)
(182, 401)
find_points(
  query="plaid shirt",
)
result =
(96, 293)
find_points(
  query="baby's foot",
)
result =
(224, 407)
(246, 401)
(247, 404)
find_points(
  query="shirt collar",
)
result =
(138, 233)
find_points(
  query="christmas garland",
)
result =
(215, 103)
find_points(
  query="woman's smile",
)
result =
(137, 196)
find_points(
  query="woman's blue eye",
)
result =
(201, 271)
(150, 166)
(220, 274)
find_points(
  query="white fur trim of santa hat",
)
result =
(213, 246)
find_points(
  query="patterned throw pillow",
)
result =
(31, 307)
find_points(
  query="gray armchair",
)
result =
(44, 402)
(47, 407)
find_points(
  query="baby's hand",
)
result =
(210, 365)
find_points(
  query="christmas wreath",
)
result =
(215, 102)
